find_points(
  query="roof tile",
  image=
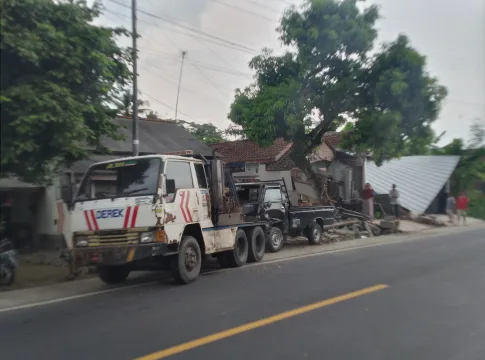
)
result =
(249, 151)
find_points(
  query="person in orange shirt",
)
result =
(462, 207)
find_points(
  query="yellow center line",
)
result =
(259, 323)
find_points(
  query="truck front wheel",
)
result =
(186, 265)
(275, 240)
(113, 274)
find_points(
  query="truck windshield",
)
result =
(135, 177)
(272, 195)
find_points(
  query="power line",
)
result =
(201, 64)
(174, 22)
(243, 10)
(209, 80)
(168, 106)
(183, 88)
(273, 10)
(193, 36)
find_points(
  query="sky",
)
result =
(451, 34)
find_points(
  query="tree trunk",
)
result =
(298, 155)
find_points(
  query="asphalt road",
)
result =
(431, 305)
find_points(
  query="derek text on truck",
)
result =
(160, 212)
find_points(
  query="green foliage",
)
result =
(207, 133)
(476, 207)
(153, 115)
(125, 104)
(470, 172)
(61, 77)
(329, 74)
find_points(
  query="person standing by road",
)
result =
(394, 196)
(451, 207)
(462, 207)
(368, 201)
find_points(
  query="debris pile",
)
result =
(351, 225)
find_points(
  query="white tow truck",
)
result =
(160, 212)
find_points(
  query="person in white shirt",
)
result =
(394, 196)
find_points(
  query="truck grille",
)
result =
(113, 238)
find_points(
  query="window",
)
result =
(272, 195)
(120, 179)
(201, 179)
(180, 172)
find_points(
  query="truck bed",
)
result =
(301, 218)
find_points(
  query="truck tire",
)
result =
(113, 274)
(239, 255)
(187, 263)
(257, 244)
(275, 240)
(314, 234)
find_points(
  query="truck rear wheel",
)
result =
(239, 255)
(187, 263)
(314, 234)
(275, 240)
(113, 274)
(257, 243)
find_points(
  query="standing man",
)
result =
(462, 207)
(368, 201)
(394, 196)
(450, 207)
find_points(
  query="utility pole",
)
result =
(136, 142)
(184, 52)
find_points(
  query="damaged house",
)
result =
(342, 172)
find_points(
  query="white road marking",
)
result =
(73, 297)
(294, 257)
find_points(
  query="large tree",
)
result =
(61, 78)
(331, 73)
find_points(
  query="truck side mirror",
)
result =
(170, 186)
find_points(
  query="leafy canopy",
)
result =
(470, 172)
(207, 133)
(61, 76)
(333, 73)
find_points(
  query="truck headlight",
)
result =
(82, 241)
(147, 237)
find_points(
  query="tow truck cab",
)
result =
(158, 212)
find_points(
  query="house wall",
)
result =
(337, 170)
(52, 223)
(265, 175)
(252, 167)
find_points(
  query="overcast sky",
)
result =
(451, 34)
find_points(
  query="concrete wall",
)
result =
(277, 175)
(52, 223)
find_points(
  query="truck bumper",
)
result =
(120, 255)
